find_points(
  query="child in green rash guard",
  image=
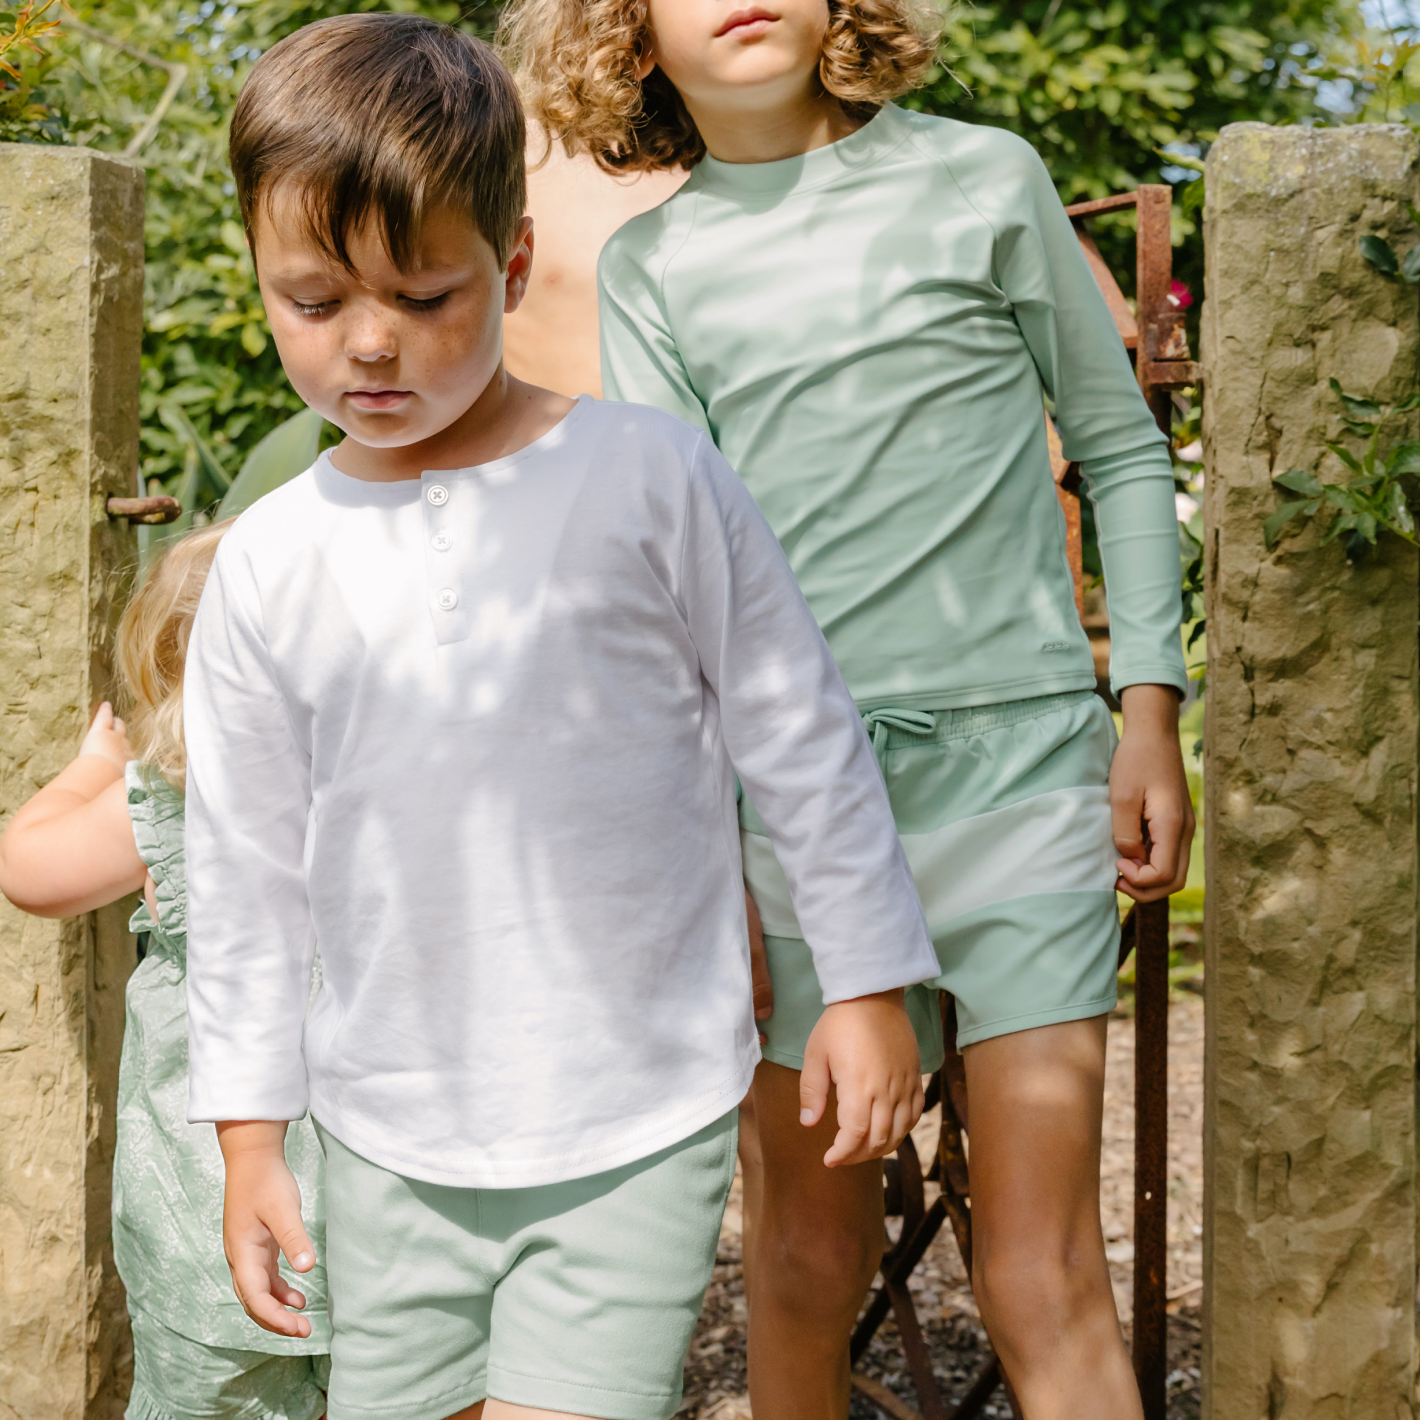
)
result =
(864, 306)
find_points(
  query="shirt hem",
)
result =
(665, 1130)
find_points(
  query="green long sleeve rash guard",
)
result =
(865, 331)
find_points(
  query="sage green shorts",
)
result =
(577, 1296)
(176, 1378)
(1003, 811)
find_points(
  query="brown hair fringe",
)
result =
(383, 116)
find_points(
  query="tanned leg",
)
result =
(1040, 1275)
(814, 1238)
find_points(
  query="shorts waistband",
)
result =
(891, 729)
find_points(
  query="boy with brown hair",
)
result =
(864, 306)
(465, 703)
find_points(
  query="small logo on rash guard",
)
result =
(1055, 646)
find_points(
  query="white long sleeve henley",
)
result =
(477, 735)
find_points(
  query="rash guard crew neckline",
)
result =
(859, 151)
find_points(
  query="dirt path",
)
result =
(715, 1370)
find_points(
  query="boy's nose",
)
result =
(369, 351)
(371, 340)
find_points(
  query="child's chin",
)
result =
(386, 431)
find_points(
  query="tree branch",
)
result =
(177, 76)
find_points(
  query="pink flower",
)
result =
(1180, 297)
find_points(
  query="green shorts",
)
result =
(578, 1296)
(176, 1378)
(1003, 811)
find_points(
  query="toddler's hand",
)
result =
(107, 737)
(261, 1218)
(867, 1049)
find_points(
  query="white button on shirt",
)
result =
(511, 826)
(442, 542)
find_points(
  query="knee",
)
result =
(1031, 1291)
(831, 1259)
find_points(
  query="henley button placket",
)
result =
(441, 571)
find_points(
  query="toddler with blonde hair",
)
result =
(111, 824)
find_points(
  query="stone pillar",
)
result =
(71, 278)
(1310, 749)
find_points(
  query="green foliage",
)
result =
(29, 110)
(213, 387)
(1378, 492)
(1381, 254)
(1100, 89)
(1379, 70)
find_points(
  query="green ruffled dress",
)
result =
(196, 1352)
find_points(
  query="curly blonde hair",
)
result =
(576, 60)
(152, 649)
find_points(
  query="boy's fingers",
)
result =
(880, 1129)
(855, 1122)
(850, 1146)
(103, 717)
(813, 1087)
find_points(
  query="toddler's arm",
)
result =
(71, 849)
(261, 1218)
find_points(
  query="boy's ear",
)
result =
(519, 268)
(645, 62)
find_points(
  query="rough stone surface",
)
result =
(71, 271)
(1310, 1187)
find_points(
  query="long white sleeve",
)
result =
(248, 805)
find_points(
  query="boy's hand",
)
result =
(865, 1047)
(1148, 795)
(107, 737)
(261, 1218)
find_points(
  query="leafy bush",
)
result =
(1103, 89)
(1378, 491)
(29, 111)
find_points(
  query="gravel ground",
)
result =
(715, 1369)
